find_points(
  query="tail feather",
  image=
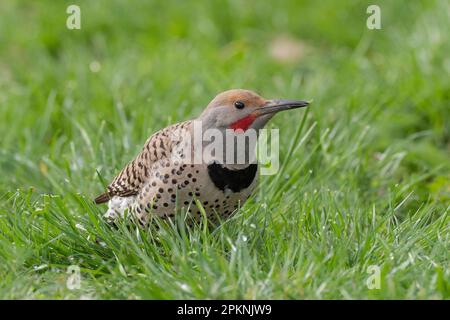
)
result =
(104, 197)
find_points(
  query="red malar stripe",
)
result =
(244, 123)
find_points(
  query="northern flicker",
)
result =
(165, 176)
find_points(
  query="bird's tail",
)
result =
(104, 197)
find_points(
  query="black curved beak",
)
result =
(277, 105)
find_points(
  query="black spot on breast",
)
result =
(235, 180)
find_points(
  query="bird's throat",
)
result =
(244, 123)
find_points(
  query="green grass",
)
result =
(365, 180)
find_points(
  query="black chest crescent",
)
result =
(235, 180)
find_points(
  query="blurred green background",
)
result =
(76, 101)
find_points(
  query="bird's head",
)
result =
(240, 109)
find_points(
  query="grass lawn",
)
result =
(365, 175)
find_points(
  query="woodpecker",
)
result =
(167, 175)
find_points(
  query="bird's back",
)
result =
(135, 174)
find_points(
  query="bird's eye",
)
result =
(239, 104)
